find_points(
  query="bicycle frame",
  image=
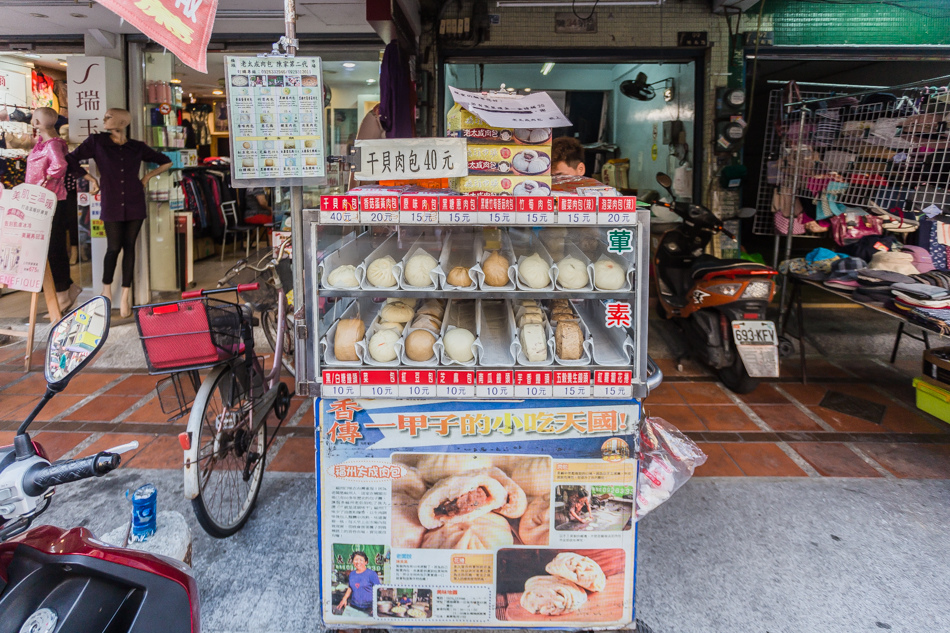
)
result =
(260, 406)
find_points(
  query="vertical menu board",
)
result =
(276, 117)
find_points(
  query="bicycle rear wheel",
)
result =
(269, 323)
(230, 456)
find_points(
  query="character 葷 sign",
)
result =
(181, 26)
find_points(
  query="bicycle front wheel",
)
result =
(230, 456)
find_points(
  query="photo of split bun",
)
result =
(472, 501)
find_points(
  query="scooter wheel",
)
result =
(736, 378)
(785, 347)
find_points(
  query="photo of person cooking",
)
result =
(573, 509)
(359, 593)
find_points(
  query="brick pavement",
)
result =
(781, 429)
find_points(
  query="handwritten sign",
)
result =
(181, 26)
(412, 159)
(520, 111)
(26, 215)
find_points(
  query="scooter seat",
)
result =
(705, 266)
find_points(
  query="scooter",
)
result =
(719, 304)
(65, 580)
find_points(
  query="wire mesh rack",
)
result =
(889, 153)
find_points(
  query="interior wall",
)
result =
(637, 120)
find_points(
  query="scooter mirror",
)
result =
(747, 212)
(75, 340)
(664, 180)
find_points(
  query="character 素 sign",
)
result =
(181, 26)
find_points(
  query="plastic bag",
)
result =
(667, 460)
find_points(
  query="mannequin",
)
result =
(119, 160)
(46, 167)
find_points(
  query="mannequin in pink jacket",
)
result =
(46, 167)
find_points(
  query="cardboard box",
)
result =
(461, 123)
(504, 185)
(518, 160)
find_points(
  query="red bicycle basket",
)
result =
(189, 334)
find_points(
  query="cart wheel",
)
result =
(282, 402)
(785, 347)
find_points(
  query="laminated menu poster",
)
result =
(276, 119)
(465, 515)
(26, 216)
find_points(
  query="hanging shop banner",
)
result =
(491, 514)
(412, 159)
(181, 26)
(26, 215)
(276, 118)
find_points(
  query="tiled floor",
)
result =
(779, 430)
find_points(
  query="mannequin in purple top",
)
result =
(119, 160)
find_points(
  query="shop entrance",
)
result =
(30, 80)
(634, 119)
(199, 224)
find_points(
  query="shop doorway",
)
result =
(199, 189)
(650, 130)
(29, 80)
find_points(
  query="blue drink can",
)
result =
(144, 513)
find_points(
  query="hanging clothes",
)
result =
(396, 106)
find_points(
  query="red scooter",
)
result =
(65, 581)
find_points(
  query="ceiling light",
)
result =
(527, 89)
(39, 15)
(62, 63)
(176, 80)
(349, 65)
(548, 67)
(78, 15)
(217, 92)
(31, 55)
(370, 81)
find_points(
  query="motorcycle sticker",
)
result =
(699, 295)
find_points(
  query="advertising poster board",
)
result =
(26, 216)
(488, 514)
(275, 105)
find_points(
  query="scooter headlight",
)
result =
(757, 290)
(728, 290)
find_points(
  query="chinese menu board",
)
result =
(276, 118)
(496, 515)
(26, 215)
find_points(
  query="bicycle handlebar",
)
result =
(96, 465)
(194, 294)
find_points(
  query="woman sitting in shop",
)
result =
(257, 209)
(119, 160)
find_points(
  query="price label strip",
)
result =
(576, 210)
(496, 210)
(455, 384)
(458, 210)
(417, 383)
(339, 210)
(613, 384)
(617, 211)
(419, 210)
(535, 210)
(570, 383)
(379, 209)
(379, 383)
(534, 384)
(341, 384)
(495, 383)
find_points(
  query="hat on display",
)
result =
(875, 278)
(844, 273)
(894, 261)
(922, 261)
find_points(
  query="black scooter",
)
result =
(719, 304)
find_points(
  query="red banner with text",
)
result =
(181, 26)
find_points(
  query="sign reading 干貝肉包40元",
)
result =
(181, 26)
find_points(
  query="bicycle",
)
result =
(227, 439)
(265, 300)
